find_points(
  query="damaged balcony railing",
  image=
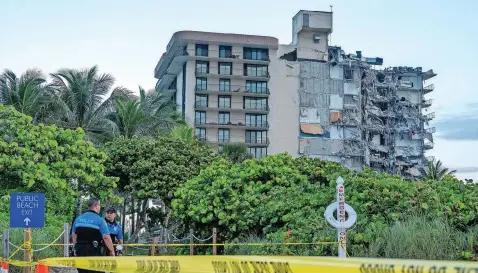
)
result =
(430, 130)
(429, 88)
(428, 145)
(427, 103)
(429, 117)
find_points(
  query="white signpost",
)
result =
(341, 223)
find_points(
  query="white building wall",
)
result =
(284, 102)
(190, 93)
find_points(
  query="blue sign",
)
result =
(27, 210)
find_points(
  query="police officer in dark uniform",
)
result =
(116, 232)
(90, 233)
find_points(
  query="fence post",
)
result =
(214, 241)
(153, 247)
(166, 237)
(6, 245)
(26, 253)
(191, 242)
(66, 240)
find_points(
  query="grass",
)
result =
(420, 238)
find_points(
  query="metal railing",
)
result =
(200, 105)
(428, 145)
(427, 103)
(429, 116)
(257, 141)
(240, 123)
(428, 88)
(257, 107)
(230, 88)
(258, 74)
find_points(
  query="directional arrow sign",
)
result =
(27, 210)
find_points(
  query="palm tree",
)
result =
(184, 132)
(29, 94)
(149, 114)
(435, 170)
(236, 152)
(83, 98)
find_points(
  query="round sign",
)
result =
(329, 216)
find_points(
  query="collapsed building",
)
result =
(354, 113)
(303, 98)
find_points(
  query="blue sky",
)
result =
(127, 38)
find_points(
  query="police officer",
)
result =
(90, 233)
(116, 232)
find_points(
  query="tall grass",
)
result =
(422, 238)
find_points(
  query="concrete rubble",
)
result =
(363, 116)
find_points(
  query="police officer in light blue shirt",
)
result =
(90, 233)
(116, 232)
(114, 227)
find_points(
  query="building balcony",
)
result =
(428, 145)
(377, 159)
(227, 56)
(234, 90)
(427, 103)
(207, 74)
(380, 148)
(429, 88)
(257, 74)
(430, 130)
(251, 110)
(260, 142)
(240, 124)
(428, 117)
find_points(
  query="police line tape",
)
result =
(211, 244)
(257, 264)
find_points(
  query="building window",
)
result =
(256, 120)
(348, 74)
(256, 87)
(261, 54)
(225, 68)
(201, 101)
(223, 136)
(255, 103)
(201, 133)
(224, 118)
(202, 67)
(256, 137)
(225, 51)
(201, 84)
(257, 152)
(224, 85)
(254, 70)
(224, 102)
(202, 50)
(200, 117)
(174, 84)
(305, 20)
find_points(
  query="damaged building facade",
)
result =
(305, 98)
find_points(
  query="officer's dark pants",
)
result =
(87, 250)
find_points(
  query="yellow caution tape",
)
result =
(258, 264)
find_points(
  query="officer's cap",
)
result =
(110, 210)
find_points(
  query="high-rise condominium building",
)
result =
(305, 98)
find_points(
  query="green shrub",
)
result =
(276, 194)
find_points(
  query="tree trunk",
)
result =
(141, 220)
(133, 214)
(124, 215)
